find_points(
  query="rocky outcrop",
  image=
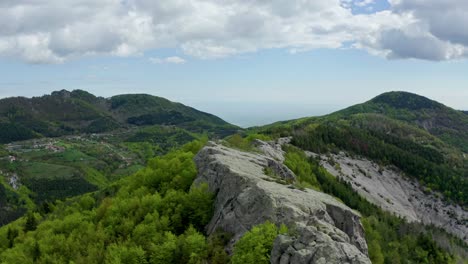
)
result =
(390, 189)
(273, 149)
(323, 230)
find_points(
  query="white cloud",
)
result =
(170, 60)
(53, 31)
(436, 30)
(364, 3)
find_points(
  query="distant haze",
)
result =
(256, 110)
(256, 114)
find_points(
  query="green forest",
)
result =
(153, 216)
(150, 217)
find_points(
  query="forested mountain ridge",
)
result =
(67, 113)
(424, 138)
(448, 124)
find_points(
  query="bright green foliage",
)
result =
(390, 242)
(193, 247)
(151, 217)
(87, 202)
(95, 177)
(122, 254)
(244, 142)
(252, 136)
(145, 150)
(375, 252)
(255, 246)
(296, 160)
(237, 141)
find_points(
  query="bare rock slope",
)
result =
(389, 188)
(325, 230)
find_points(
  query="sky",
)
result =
(249, 62)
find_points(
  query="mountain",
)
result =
(448, 124)
(405, 153)
(68, 113)
(423, 138)
(74, 142)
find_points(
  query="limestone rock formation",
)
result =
(388, 188)
(323, 229)
(273, 149)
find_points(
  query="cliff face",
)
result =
(325, 230)
(392, 191)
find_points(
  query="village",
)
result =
(36, 144)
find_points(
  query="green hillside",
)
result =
(448, 124)
(68, 113)
(143, 110)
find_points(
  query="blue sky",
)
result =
(248, 78)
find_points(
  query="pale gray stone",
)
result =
(389, 188)
(321, 227)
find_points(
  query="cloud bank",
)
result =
(168, 60)
(54, 31)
